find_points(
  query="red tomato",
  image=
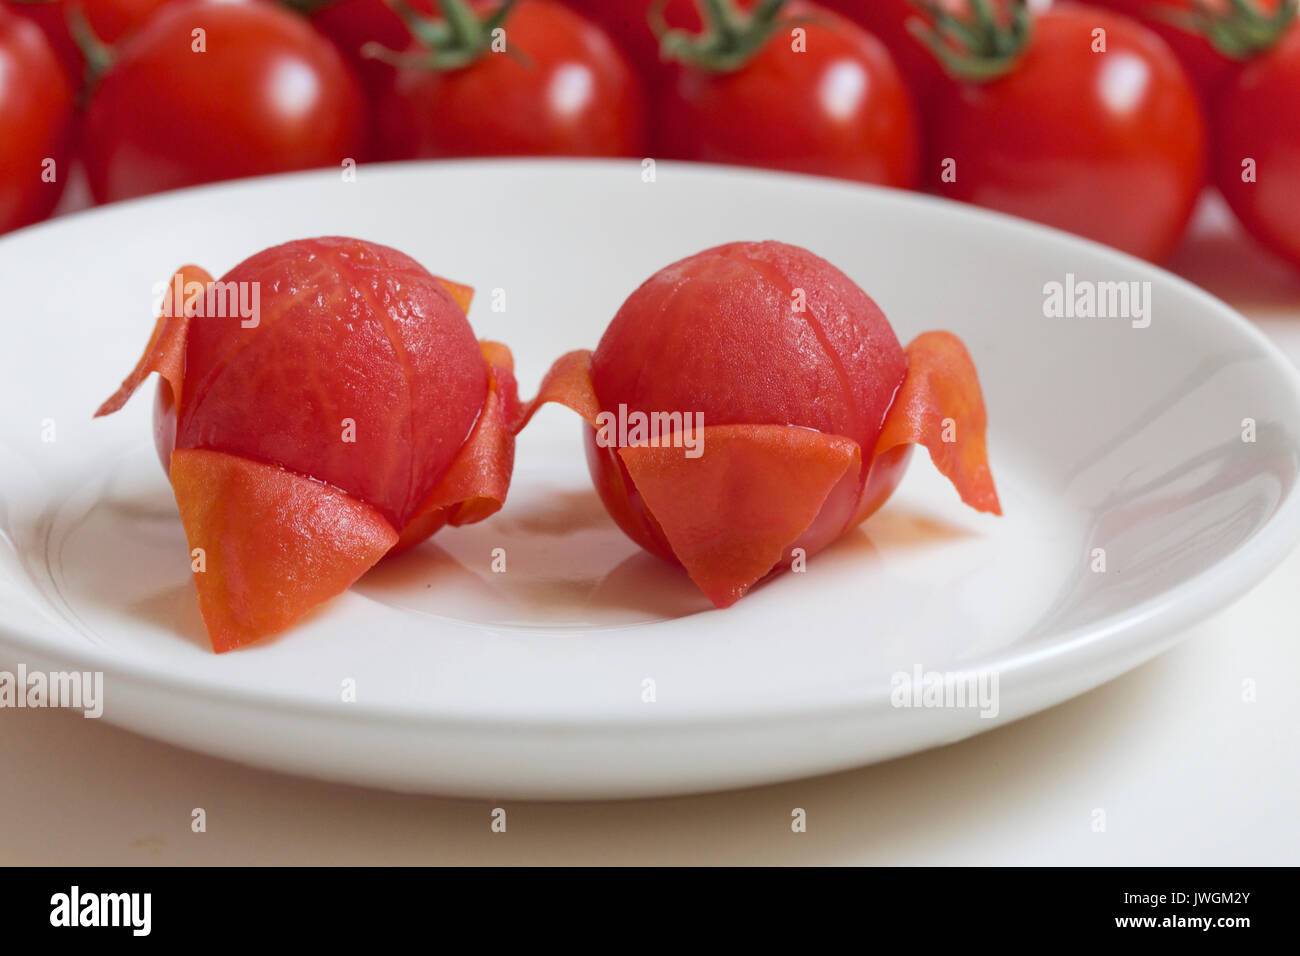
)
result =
(836, 107)
(1205, 64)
(108, 19)
(1107, 145)
(351, 24)
(266, 94)
(560, 89)
(628, 24)
(36, 110)
(888, 20)
(1255, 118)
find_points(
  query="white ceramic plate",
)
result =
(532, 683)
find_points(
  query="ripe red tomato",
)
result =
(1205, 64)
(1109, 145)
(1255, 118)
(36, 110)
(109, 20)
(887, 20)
(832, 105)
(560, 88)
(264, 94)
(351, 24)
(628, 24)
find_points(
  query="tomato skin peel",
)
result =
(267, 545)
(734, 514)
(277, 537)
(940, 406)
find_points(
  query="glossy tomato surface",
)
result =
(833, 106)
(628, 24)
(109, 20)
(351, 24)
(1109, 145)
(264, 94)
(888, 21)
(36, 112)
(560, 88)
(1207, 67)
(361, 371)
(1256, 137)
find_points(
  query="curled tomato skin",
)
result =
(275, 543)
(1109, 145)
(838, 107)
(564, 91)
(286, 101)
(36, 116)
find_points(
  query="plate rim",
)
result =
(1165, 615)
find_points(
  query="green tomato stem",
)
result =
(730, 38)
(977, 47)
(454, 41)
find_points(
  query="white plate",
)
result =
(531, 683)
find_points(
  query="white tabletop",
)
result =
(1185, 768)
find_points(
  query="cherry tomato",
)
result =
(36, 109)
(820, 96)
(1109, 145)
(256, 91)
(351, 24)
(109, 20)
(628, 24)
(1255, 118)
(1205, 64)
(887, 20)
(558, 88)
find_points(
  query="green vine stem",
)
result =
(1241, 31)
(730, 38)
(976, 47)
(451, 42)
